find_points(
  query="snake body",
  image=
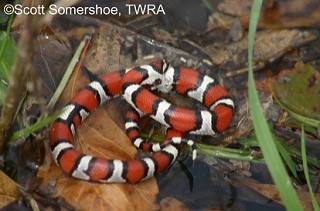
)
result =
(131, 85)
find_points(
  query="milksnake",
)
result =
(130, 84)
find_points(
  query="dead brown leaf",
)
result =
(235, 7)
(9, 190)
(172, 204)
(269, 45)
(270, 191)
(288, 14)
(99, 135)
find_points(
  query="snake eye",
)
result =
(157, 81)
(284, 79)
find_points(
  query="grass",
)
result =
(34, 127)
(68, 73)
(305, 169)
(265, 139)
(8, 53)
(45, 121)
(269, 147)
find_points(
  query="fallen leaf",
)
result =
(287, 14)
(99, 135)
(298, 90)
(9, 190)
(269, 46)
(270, 191)
(171, 204)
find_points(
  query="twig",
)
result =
(18, 80)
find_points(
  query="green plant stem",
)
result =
(305, 170)
(33, 128)
(264, 136)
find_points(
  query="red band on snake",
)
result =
(161, 76)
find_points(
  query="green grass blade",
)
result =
(33, 128)
(7, 53)
(305, 170)
(68, 73)
(267, 145)
(228, 153)
(208, 5)
(286, 158)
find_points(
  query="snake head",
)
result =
(166, 78)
